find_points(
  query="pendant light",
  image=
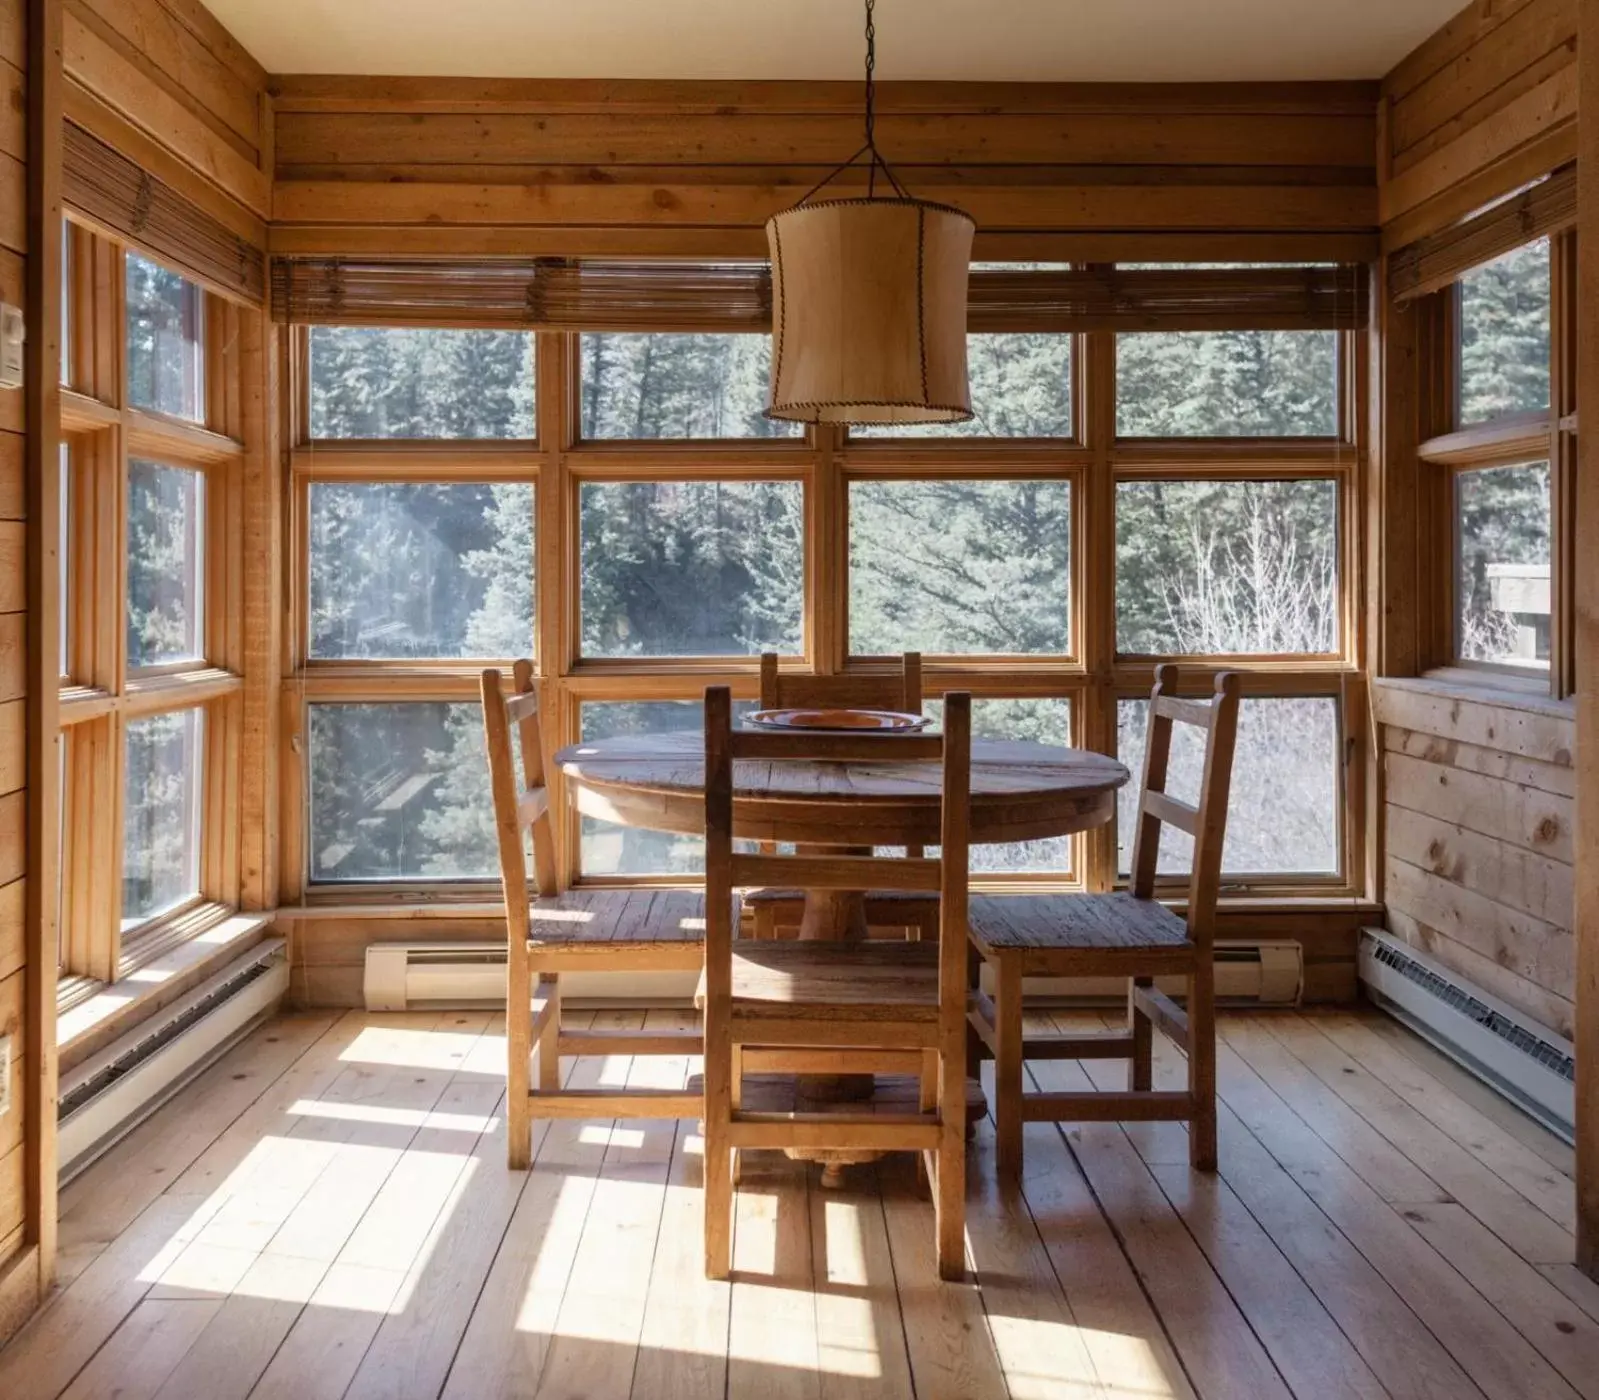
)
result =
(869, 298)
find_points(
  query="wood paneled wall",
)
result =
(168, 86)
(419, 166)
(1479, 820)
(1486, 104)
(13, 649)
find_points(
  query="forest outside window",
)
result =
(1502, 548)
(1503, 352)
(1021, 387)
(165, 339)
(691, 568)
(1227, 568)
(642, 387)
(166, 587)
(960, 567)
(369, 382)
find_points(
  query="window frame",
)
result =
(1448, 449)
(827, 461)
(100, 692)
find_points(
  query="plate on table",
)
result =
(838, 721)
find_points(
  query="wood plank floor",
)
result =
(326, 1213)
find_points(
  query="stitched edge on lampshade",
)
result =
(864, 202)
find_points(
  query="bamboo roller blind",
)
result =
(1439, 259)
(554, 294)
(115, 193)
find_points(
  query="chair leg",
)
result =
(518, 1111)
(927, 1099)
(1140, 1067)
(949, 1177)
(549, 1038)
(718, 1160)
(1008, 1067)
(735, 1087)
(1202, 1065)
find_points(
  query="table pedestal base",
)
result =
(805, 1093)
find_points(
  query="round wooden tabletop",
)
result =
(1020, 792)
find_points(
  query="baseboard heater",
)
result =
(402, 976)
(409, 976)
(109, 1095)
(1528, 1063)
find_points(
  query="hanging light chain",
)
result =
(871, 78)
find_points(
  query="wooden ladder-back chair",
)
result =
(549, 932)
(1123, 934)
(820, 995)
(780, 911)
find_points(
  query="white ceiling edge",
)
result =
(959, 40)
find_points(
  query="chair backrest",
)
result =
(785, 690)
(727, 870)
(1217, 719)
(520, 809)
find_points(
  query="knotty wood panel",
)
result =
(1485, 104)
(359, 153)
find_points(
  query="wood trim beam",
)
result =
(1586, 601)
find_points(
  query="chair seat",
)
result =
(1111, 924)
(843, 981)
(617, 918)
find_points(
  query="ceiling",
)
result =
(995, 40)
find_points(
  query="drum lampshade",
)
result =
(869, 312)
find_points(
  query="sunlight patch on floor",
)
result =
(473, 1123)
(410, 1049)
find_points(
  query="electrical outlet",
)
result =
(5, 1075)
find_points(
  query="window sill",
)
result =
(1483, 688)
(156, 970)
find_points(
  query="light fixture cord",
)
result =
(874, 157)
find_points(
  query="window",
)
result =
(658, 533)
(153, 639)
(960, 567)
(400, 792)
(161, 815)
(166, 515)
(1215, 384)
(1283, 817)
(1505, 456)
(640, 387)
(1021, 387)
(1226, 567)
(166, 326)
(425, 570)
(692, 568)
(1504, 336)
(368, 382)
(1502, 548)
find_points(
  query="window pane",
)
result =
(1226, 567)
(1021, 387)
(400, 791)
(64, 549)
(166, 315)
(166, 520)
(959, 567)
(1227, 384)
(1502, 525)
(1504, 335)
(161, 815)
(1042, 720)
(692, 568)
(678, 386)
(1284, 813)
(384, 382)
(403, 570)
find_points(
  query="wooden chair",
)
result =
(833, 996)
(778, 912)
(1121, 935)
(601, 930)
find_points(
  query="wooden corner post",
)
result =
(1585, 597)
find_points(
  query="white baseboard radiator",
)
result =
(1528, 1063)
(109, 1095)
(415, 976)
(408, 976)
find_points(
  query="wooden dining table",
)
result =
(1019, 792)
